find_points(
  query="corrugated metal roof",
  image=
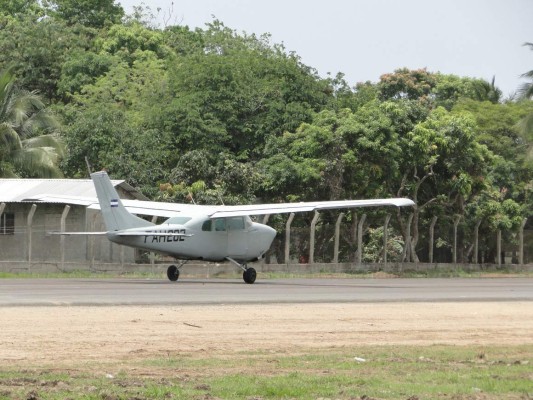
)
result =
(16, 190)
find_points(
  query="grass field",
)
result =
(377, 372)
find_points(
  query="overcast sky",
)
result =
(366, 38)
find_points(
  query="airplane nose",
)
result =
(263, 237)
(271, 234)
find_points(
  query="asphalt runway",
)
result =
(87, 292)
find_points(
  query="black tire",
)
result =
(249, 275)
(173, 273)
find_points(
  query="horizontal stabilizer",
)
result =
(75, 233)
(148, 233)
(121, 233)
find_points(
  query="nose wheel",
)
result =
(248, 275)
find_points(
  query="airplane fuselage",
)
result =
(201, 238)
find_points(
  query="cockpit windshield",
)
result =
(180, 220)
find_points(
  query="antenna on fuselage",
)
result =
(88, 165)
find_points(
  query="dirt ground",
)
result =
(65, 335)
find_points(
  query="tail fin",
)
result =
(116, 217)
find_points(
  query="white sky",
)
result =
(366, 38)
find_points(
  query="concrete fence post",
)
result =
(64, 214)
(29, 223)
(360, 240)
(385, 239)
(455, 225)
(337, 238)
(152, 254)
(353, 232)
(499, 247)
(520, 242)
(432, 238)
(288, 238)
(406, 256)
(312, 238)
(476, 241)
(2, 208)
(92, 239)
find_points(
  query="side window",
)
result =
(235, 223)
(7, 224)
(220, 224)
(206, 226)
(223, 224)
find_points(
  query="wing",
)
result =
(279, 208)
(161, 209)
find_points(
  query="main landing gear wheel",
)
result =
(249, 275)
(173, 273)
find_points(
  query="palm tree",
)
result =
(526, 125)
(526, 89)
(29, 142)
(486, 91)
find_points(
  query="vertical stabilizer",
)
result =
(116, 217)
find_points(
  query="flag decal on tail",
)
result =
(114, 202)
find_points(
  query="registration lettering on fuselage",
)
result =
(166, 239)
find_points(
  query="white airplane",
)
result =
(209, 233)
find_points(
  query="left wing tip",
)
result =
(404, 202)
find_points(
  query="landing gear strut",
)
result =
(249, 274)
(173, 272)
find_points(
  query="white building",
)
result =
(25, 224)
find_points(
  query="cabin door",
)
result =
(237, 236)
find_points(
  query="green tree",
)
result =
(435, 89)
(183, 41)
(18, 8)
(443, 166)
(206, 178)
(341, 154)
(208, 92)
(310, 163)
(406, 84)
(449, 89)
(38, 47)
(109, 141)
(343, 96)
(493, 212)
(251, 89)
(497, 127)
(29, 143)
(131, 41)
(80, 69)
(90, 13)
